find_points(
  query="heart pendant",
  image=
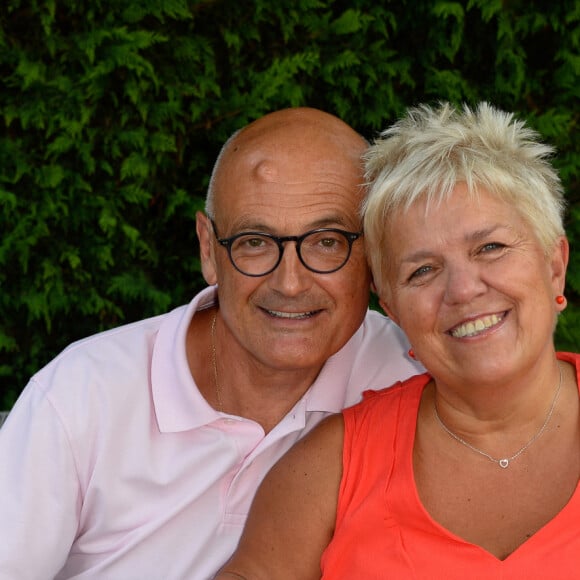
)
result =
(503, 463)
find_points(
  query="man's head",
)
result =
(286, 174)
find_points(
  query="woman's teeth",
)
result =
(476, 326)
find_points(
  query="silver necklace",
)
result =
(504, 462)
(214, 363)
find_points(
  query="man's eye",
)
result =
(254, 242)
(324, 241)
(251, 244)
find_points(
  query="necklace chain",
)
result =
(504, 462)
(214, 363)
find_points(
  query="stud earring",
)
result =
(412, 353)
(560, 299)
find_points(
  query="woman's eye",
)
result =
(420, 272)
(491, 246)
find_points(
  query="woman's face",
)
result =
(472, 288)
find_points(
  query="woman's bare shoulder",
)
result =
(294, 511)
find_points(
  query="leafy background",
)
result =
(113, 112)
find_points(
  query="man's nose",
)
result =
(291, 277)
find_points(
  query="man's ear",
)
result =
(203, 229)
(388, 311)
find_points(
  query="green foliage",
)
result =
(113, 112)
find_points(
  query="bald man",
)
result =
(135, 454)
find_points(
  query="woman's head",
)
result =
(428, 152)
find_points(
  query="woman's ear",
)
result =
(559, 264)
(203, 228)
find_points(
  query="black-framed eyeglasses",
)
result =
(322, 251)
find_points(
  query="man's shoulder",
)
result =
(379, 322)
(380, 338)
(130, 335)
(100, 379)
(110, 353)
(377, 356)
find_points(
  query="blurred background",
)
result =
(113, 112)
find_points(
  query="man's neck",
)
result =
(241, 387)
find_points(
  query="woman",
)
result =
(471, 470)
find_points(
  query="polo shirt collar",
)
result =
(329, 391)
(179, 406)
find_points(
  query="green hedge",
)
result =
(114, 110)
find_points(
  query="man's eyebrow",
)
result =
(331, 221)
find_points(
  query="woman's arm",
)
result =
(292, 517)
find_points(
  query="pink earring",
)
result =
(411, 353)
(560, 299)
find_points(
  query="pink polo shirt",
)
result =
(113, 466)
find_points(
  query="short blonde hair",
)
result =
(427, 152)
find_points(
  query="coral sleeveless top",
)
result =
(382, 529)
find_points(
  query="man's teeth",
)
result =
(293, 315)
(476, 326)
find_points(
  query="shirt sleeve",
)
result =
(39, 490)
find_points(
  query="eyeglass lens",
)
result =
(325, 251)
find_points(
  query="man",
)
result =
(135, 454)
